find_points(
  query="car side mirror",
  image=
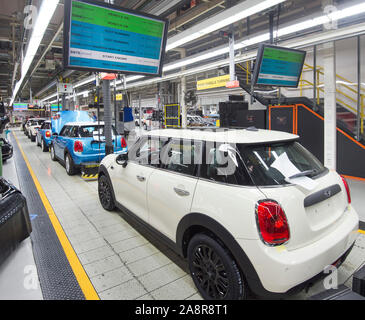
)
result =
(122, 159)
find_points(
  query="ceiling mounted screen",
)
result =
(101, 37)
(278, 66)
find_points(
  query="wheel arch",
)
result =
(103, 171)
(194, 223)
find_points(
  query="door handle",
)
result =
(181, 192)
(140, 178)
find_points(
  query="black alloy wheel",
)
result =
(69, 165)
(43, 146)
(53, 154)
(214, 271)
(105, 193)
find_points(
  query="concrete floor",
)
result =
(18, 275)
(121, 261)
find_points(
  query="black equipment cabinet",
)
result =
(237, 115)
(15, 225)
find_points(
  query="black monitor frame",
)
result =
(66, 37)
(259, 59)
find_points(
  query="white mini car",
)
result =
(32, 126)
(251, 210)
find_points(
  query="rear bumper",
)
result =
(82, 159)
(281, 271)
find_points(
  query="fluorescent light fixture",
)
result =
(310, 23)
(45, 15)
(223, 19)
(85, 81)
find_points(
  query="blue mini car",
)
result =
(83, 143)
(44, 135)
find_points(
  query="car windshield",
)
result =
(88, 131)
(36, 122)
(277, 164)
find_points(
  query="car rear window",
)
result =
(87, 131)
(273, 164)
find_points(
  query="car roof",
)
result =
(85, 123)
(244, 136)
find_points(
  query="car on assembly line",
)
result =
(44, 135)
(251, 210)
(83, 143)
(32, 127)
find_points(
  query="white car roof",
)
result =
(227, 136)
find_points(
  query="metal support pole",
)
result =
(271, 25)
(140, 111)
(109, 149)
(115, 105)
(330, 136)
(359, 111)
(63, 102)
(315, 78)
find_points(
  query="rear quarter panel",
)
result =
(231, 206)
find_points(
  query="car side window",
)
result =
(74, 132)
(65, 131)
(182, 156)
(223, 164)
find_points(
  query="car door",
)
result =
(171, 187)
(130, 182)
(60, 142)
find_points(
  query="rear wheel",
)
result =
(214, 271)
(43, 146)
(53, 155)
(69, 164)
(37, 141)
(105, 193)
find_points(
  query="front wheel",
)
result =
(105, 194)
(214, 271)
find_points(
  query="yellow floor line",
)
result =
(362, 231)
(80, 274)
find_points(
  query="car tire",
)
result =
(214, 271)
(105, 193)
(69, 165)
(32, 138)
(36, 141)
(43, 146)
(53, 154)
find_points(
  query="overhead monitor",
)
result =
(20, 106)
(278, 66)
(100, 37)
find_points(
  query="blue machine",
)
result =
(79, 142)
(44, 135)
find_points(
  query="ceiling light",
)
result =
(45, 15)
(223, 19)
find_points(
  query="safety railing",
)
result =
(306, 84)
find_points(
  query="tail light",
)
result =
(78, 146)
(272, 222)
(48, 134)
(123, 143)
(347, 189)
